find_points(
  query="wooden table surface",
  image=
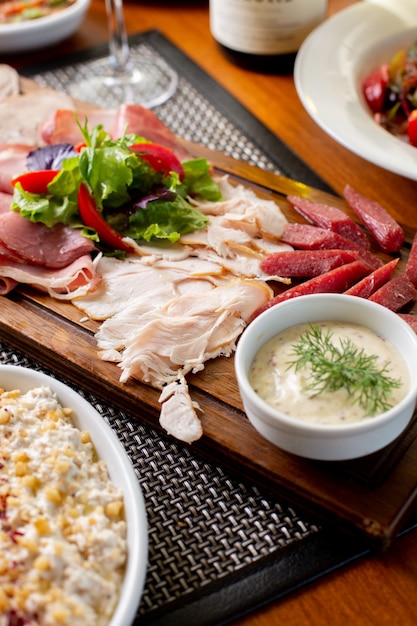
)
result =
(380, 589)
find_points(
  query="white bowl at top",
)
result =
(328, 442)
(43, 31)
(120, 470)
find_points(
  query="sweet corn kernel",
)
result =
(42, 526)
(4, 416)
(30, 481)
(52, 494)
(21, 468)
(42, 563)
(4, 600)
(85, 437)
(113, 509)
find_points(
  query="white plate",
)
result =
(121, 471)
(331, 65)
(44, 31)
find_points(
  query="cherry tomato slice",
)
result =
(374, 88)
(36, 182)
(92, 218)
(412, 127)
(162, 159)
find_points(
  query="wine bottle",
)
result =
(264, 35)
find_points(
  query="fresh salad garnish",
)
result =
(391, 93)
(114, 189)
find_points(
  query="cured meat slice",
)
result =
(335, 281)
(12, 163)
(396, 293)
(330, 218)
(306, 263)
(21, 116)
(411, 265)
(7, 285)
(62, 127)
(308, 237)
(410, 319)
(67, 283)
(386, 231)
(366, 287)
(37, 244)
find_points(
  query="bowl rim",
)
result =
(273, 416)
(137, 537)
(39, 23)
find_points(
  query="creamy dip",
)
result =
(284, 388)
(62, 528)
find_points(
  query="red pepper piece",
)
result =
(35, 182)
(92, 218)
(159, 157)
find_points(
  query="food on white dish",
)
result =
(62, 525)
(203, 250)
(345, 439)
(329, 373)
(12, 11)
(390, 91)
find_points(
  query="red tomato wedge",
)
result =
(374, 88)
(36, 182)
(159, 157)
(92, 218)
(412, 127)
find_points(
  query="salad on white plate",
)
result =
(331, 66)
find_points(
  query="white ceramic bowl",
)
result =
(332, 64)
(42, 32)
(121, 471)
(334, 442)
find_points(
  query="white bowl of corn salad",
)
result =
(73, 528)
(29, 25)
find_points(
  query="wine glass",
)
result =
(117, 80)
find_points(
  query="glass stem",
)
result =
(118, 44)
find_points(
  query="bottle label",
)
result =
(264, 27)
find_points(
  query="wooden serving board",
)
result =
(372, 496)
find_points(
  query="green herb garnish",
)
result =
(345, 366)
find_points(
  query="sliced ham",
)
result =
(335, 281)
(7, 285)
(396, 293)
(306, 263)
(5, 202)
(37, 244)
(12, 163)
(330, 218)
(61, 126)
(67, 283)
(368, 285)
(21, 116)
(386, 231)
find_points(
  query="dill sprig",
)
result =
(346, 366)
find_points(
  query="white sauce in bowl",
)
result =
(283, 388)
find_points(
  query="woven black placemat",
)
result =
(218, 546)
